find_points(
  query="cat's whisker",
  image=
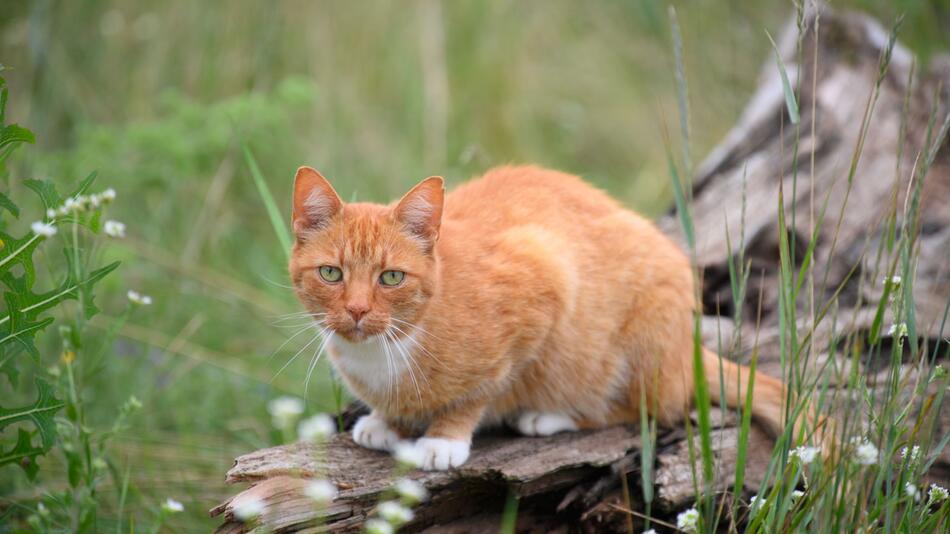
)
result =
(320, 334)
(414, 327)
(415, 342)
(390, 375)
(296, 314)
(315, 359)
(411, 361)
(295, 317)
(308, 326)
(408, 360)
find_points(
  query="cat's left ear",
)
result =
(315, 201)
(420, 210)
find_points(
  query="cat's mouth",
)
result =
(355, 334)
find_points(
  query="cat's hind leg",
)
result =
(532, 423)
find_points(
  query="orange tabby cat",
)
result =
(525, 296)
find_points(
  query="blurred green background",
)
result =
(159, 97)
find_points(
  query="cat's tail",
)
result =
(769, 395)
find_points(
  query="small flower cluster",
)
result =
(911, 455)
(285, 411)
(911, 491)
(138, 299)
(76, 205)
(395, 513)
(865, 453)
(937, 494)
(688, 521)
(114, 229)
(321, 491)
(82, 203)
(407, 455)
(317, 428)
(805, 455)
(171, 506)
(898, 330)
(248, 509)
(43, 229)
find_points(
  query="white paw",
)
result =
(437, 454)
(544, 424)
(372, 432)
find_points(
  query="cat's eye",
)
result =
(330, 273)
(391, 278)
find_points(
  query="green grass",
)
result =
(198, 113)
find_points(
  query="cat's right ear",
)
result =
(315, 202)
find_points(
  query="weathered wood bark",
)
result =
(575, 479)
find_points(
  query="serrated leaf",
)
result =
(18, 251)
(40, 413)
(23, 454)
(47, 192)
(13, 134)
(8, 205)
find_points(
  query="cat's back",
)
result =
(518, 195)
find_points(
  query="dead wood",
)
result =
(575, 479)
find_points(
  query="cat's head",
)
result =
(364, 269)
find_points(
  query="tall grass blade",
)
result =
(790, 101)
(276, 220)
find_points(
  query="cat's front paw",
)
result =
(372, 432)
(544, 423)
(439, 454)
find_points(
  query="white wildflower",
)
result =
(378, 526)
(797, 494)
(688, 521)
(43, 229)
(866, 453)
(395, 513)
(937, 494)
(114, 229)
(322, 491)
(650, 531)
(407, 454)
(71, 204)
(248, 509)
(172, 506)
(137, 298)
(51, 213)
(756, 502)
(42, 510)
(108, 195)
(911, 491)
(285, 410)
(316, 428)
(914, 454)
(411, 491)
(894, 280)
(806, 455)
(897, 330)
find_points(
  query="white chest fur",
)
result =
(376, 363)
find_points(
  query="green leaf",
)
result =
(47, 192)
(8, 205)
(40, 414)
(22, 454)
(790, 101)
(13, 134)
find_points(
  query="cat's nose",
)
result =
(357, 311)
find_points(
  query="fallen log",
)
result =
(589, 479)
